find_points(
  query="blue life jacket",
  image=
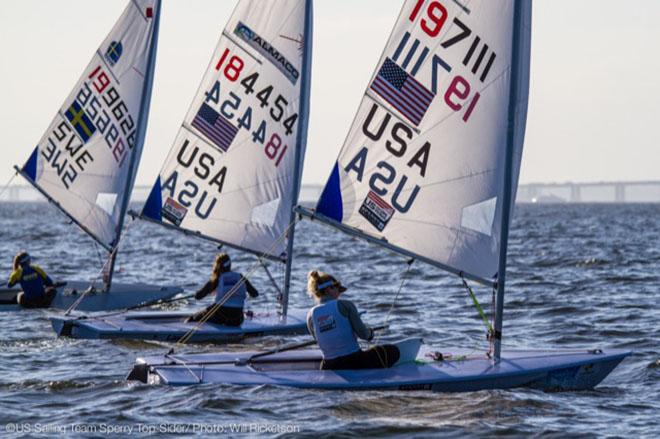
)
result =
(33, 281)
(333, 331)
(226, 283)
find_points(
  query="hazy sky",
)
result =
(594, 106)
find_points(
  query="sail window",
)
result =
(107, 201)
(480, 216)
(265, 213)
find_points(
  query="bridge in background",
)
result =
(601, 192)
(595, 192)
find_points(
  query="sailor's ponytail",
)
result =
(313, 278)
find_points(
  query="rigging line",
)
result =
(389, 313)
(7, 184)
(396, 297)
(98, 254)
(96, 277)
(272, 279)
(477, 305)
(214, 308)
(493, 304)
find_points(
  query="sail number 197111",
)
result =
(477, 56)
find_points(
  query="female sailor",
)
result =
(336, 324)
(38, 288)
(231, 290)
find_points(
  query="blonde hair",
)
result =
(314, 279)
(17, 259)
(219, 265)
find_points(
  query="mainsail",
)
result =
(232, 175)
(422, 170)
(86, 161)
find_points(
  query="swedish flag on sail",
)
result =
(80, 121)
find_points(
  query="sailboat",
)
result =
(233, 174)
(85, 163)
(429, 170)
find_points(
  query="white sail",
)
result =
(423, 164)
(83, 161)
(230, 173)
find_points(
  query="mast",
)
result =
(301, 140)
(143, 118)
(508, 171)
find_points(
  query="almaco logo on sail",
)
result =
(265, 48)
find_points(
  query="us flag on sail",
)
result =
(215, 127)
(402, 91)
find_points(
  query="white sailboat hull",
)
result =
(546, 370)
(119, 296)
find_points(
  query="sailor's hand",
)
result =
(199, 295)
(371, 334)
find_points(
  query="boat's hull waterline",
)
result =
(171, 326)
(544, 370)
(119, 296)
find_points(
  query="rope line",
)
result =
(389, 313)
(482, 314)
(6, 186)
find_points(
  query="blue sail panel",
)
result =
(152, 208)
(30, 167)
(330, 204)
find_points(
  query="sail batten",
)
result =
(230, 174)
(85, 161)
(423, 164)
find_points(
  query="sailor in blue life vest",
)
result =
(231, 289)
(336, 324)
(38, 288)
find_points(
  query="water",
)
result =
(579, 275)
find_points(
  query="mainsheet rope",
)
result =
(254, 267)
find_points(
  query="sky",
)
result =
(594, 104)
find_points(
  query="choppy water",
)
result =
(580, 275)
